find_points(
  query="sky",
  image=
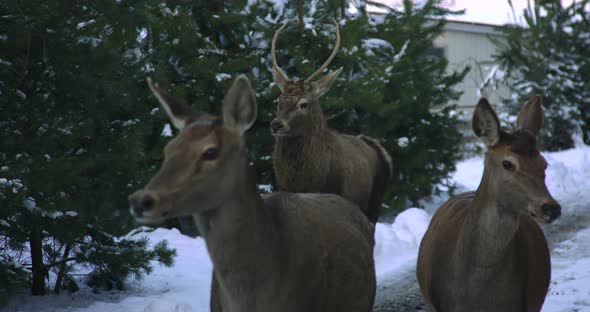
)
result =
(495, 12)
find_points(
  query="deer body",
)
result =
(272, 253)
(316, 164)
(310, 157)
(458, 276)
(316, 269)
(483, 250)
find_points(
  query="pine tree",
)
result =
(408, 103)
(72, 141)
(392, 88)
(548, 55)
(80, 130)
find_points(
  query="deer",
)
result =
(269, 253)
(308, 156)
(484, 250)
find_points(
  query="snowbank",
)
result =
(570, 282)
(185, 286)
(397, 243)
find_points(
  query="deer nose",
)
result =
(553, 211)
(275, 126)
(141, 202)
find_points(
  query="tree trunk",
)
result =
(36, 245)
(62, 270)
(300, 12)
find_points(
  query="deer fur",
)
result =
(310, 157)
(484, 250)
(270, 253)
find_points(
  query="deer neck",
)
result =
(241, 238)
(300, 147)
(492, 225)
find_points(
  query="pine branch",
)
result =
(60, 262)
(336, 115)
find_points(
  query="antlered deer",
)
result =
(272, 253)
(483, 250)
(310, 157)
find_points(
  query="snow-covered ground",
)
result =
(185, 286)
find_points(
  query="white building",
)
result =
(467, 43)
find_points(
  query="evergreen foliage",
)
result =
(392, 88)
(408, 101)
(80, 131)
(72, 141)
(548, 55)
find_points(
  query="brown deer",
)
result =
(484, 250)
(271, 253)
(310, 157)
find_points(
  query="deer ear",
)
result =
(175, 108)
(239, 105)
(531, 116)
(323, 85)
(485, 123)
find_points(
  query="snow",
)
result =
(30, 203)
(570, 289)
(166, 131)
(402, 52)
(222, 76)
(185, 286)
(21, 94)
(3, 62)
(375, 43)
(403, 142)
(130, 122)
(266, 188)
(84, 24)
(397, 243)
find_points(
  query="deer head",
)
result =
(298, 107)
(515, 167)
(202, 163)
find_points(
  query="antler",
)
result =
(275, 66)
(332, 56)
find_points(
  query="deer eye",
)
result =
(210, 154)
(508, 165)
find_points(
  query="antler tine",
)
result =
(332, 56)
(274, 55)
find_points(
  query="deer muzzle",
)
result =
(278, 127)
(144, 207)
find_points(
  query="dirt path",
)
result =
(399, 292)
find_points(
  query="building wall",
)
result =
(469, 44)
